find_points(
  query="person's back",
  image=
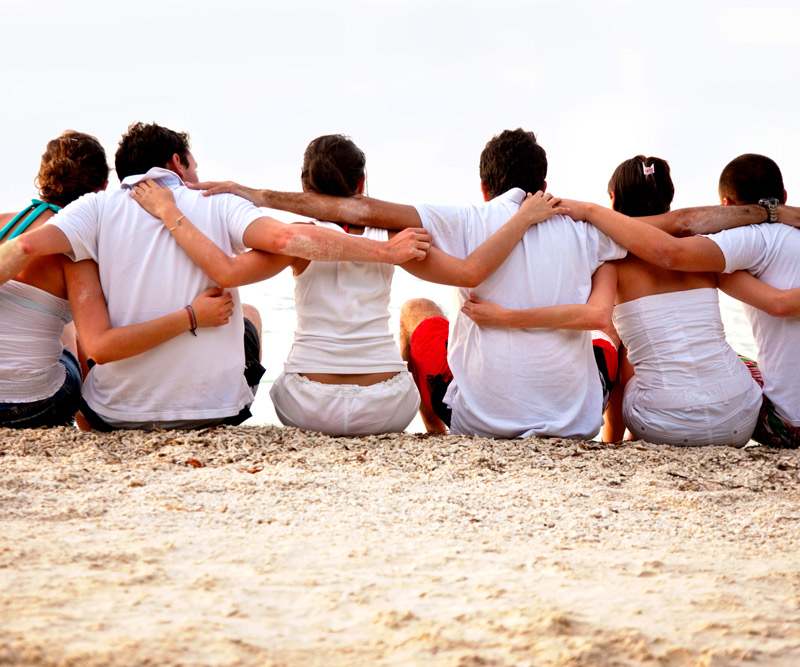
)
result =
(39, 379)
(343, 317)
(144, 274)
(344, 374)
(689, 385)
(770, 253)
(520, 382)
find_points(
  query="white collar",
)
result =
(165, 176)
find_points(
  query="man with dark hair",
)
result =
(749, 178)
(770, 252)
(148, 144)
(195, 379)
(512, 159)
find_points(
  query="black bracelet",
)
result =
(192, 319)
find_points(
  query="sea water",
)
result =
(274, 298)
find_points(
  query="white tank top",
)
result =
(677, 345)
(343, 316)
(31, 324)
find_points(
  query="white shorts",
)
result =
(346, 409)
(729, 422)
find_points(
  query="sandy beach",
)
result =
(275, 546)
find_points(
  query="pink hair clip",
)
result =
(648, 171)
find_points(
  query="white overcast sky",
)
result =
(420, 86)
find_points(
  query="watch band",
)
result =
(770, 205)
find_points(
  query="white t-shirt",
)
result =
(145, 274)
(771, 252)
(511, 383)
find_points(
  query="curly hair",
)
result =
(333, 165)
(513, 159)
(145, 146)
(642, 186)
(72, 165)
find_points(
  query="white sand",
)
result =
(290, 548)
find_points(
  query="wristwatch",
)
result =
(770, 205)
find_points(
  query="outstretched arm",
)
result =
(439, 267)
(306, 241)
(789, 215)
(706, 219)
(104, 343)
(750, 290)
(356, 210)
(653, 245)
(17, 253)
(594, 314)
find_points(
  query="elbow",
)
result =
(285, 239)
(600, 318)
(471, 278)
(224, 278)
(780, 308)
(97, 353)
(25, 247)
(669, 257)
(681, 224)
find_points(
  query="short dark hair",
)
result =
(642, 186)
(513, 159)
(72, 165)
(751, 177)
(145, 146)
(333, 165)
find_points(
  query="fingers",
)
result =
(211, 187)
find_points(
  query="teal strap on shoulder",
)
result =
(37, 207)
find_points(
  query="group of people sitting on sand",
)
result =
(148, 274)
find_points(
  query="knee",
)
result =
(251, 313)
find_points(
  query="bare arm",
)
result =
(594, 314)
(17, 253)
(356, 210)
(706, 219)
(653, 245)
(789, 215)
(104, 344)
(305, 241)
(750, 290)
(439, 267)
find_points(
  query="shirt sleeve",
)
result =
(447, 227)
(79, 222)
(744, 248)
(607, 249)
(240, 214)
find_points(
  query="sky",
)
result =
(420, 86)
